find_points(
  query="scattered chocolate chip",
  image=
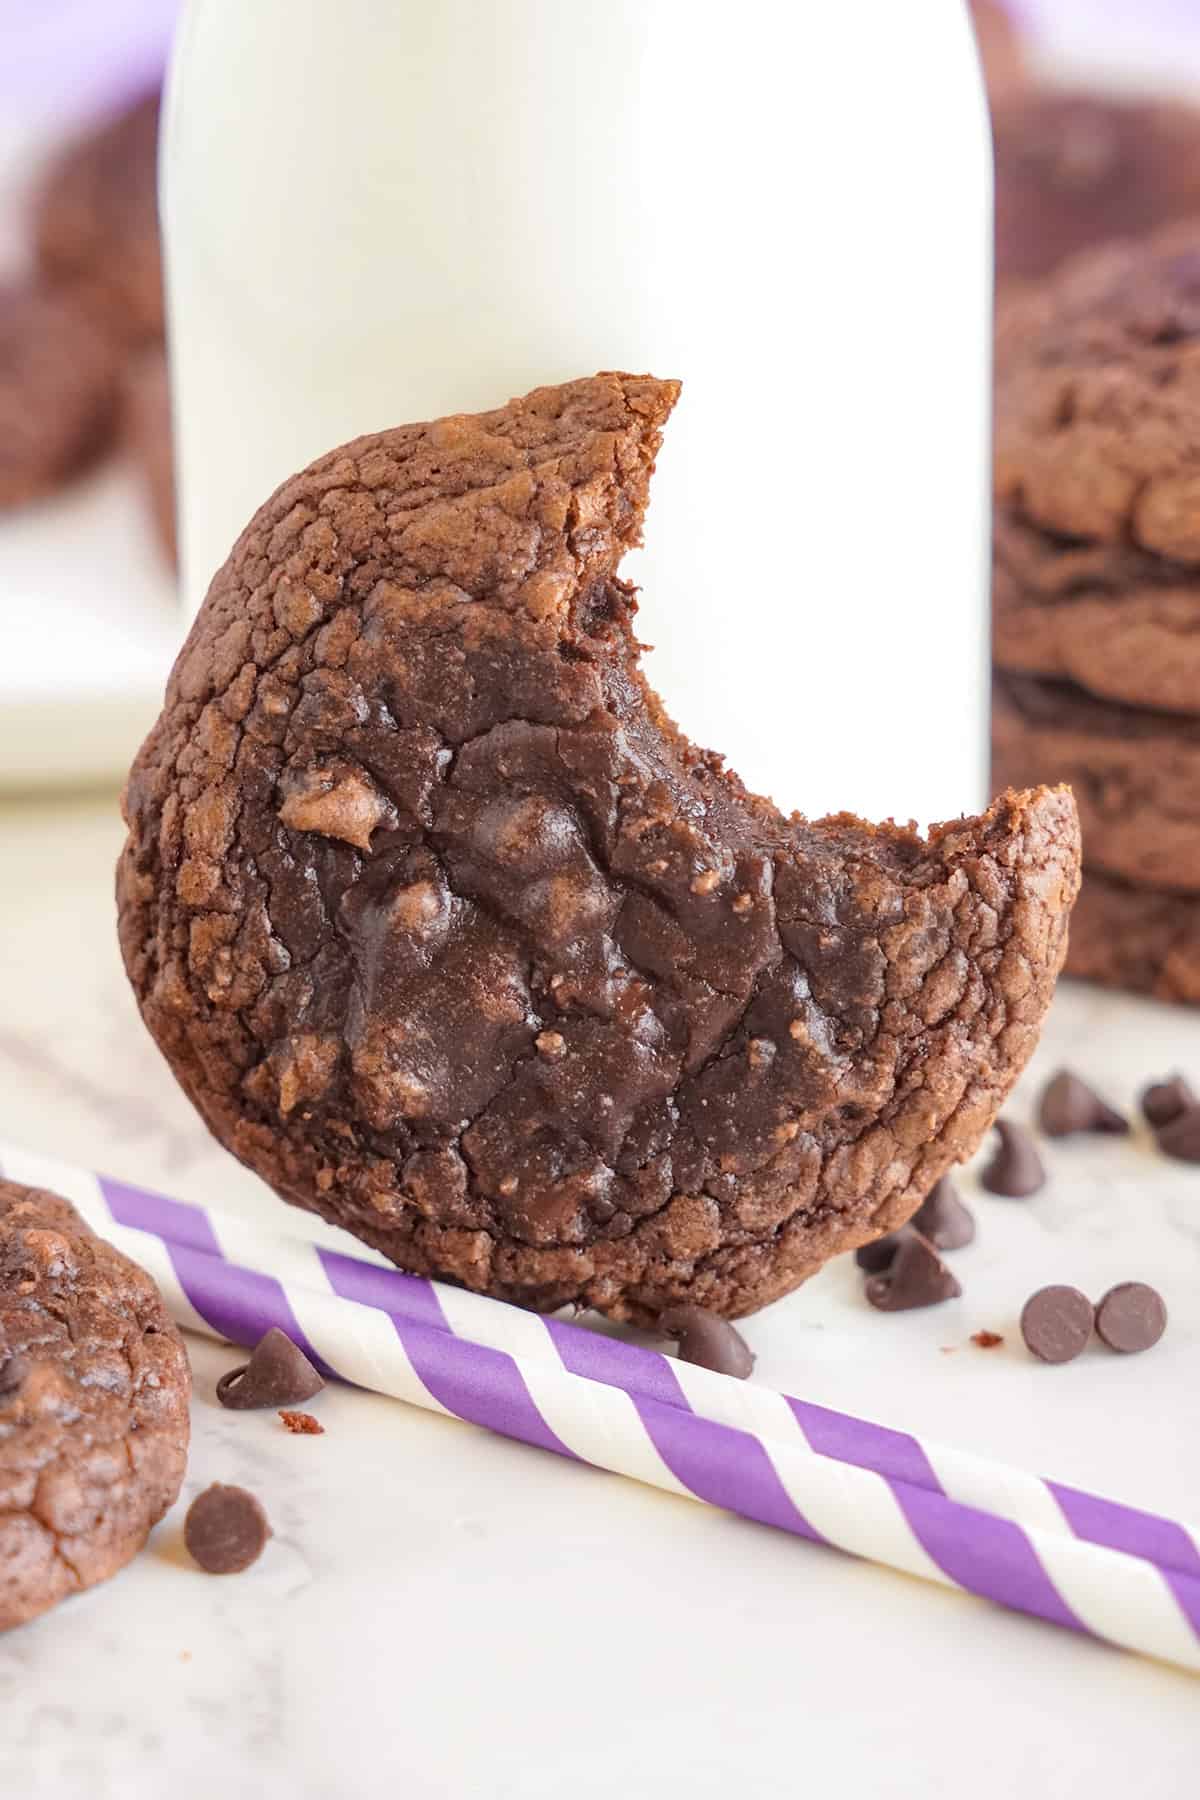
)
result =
(877, 1257)
(278, 1374)
(705, 1338)
(1056, 1324)
(1164, 1101)
(225, 1530)
(1016, 1169)
(917, 1277)
(302, 1423)
(1131, 1317)
(13, 1370)
(943, 1219)
(1069, 1105)
(987, 1340)
(1181, 1138)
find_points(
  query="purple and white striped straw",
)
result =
(1129, 1577)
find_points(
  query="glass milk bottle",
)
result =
(386, 210)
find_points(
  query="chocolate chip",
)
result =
(705, 1338)
(13, 1370)
(917, 1277)
(302, 1423)
(1131, 1317)
(1016, 1169)
(1069, 1105)
(1164, 1101)
(225, 1530)
(1056, 1323)
(1181, 1138)
(278, 1374)
(877, 1257)
(987, 1340)
(943, 1219)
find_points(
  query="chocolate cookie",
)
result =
(1130, 937)
(1074, 170)
(58, 383)
(452, 936)
(96, 223)
(1135, 775)
(94, 1386)
(146, 414)
(1096, 399)
(1118, 621)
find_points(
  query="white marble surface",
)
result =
(442, 1613)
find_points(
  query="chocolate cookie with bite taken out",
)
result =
(454, 938)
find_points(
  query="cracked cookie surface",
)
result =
(94, 1386)
(452, 936)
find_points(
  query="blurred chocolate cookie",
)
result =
(58, 383)
(1118, 621)
(1075, 170)
(1133, 937)
(1135, 775)
(96, 223)
(1097, 396)
(146, 419)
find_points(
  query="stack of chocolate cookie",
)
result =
(1096, 591)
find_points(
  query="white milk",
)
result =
(384, 210)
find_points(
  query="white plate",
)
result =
(91, 623)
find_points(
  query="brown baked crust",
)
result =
(58, 384)
(94, 1386)
(1113, 619)
(96, 223)
(452, 936)
(1077, 169)
(146, 419)
(1124, 936)
(1135, 775)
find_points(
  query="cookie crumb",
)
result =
(302, 1423)
(987, 1340)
